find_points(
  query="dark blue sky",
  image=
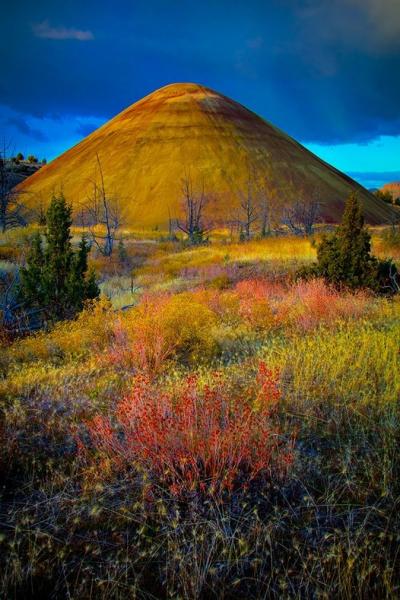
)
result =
(327, 72)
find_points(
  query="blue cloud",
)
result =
(44, 136)
(22, 126)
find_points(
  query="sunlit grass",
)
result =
(193, 262)
(83, 517)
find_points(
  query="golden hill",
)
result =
(146, 149)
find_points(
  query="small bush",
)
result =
(344, 259)
(160, 329)
(55, 280)
(197, 440)
(90, 331)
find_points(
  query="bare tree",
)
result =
(301, 216)
(249, 214)
(256, 210)
(393, 277)
(12, 212)
(270, 209)
(265, 215)
(101, 210)
(194, 204)
(269, 200)
(301, 210)
(249, 207)
(172, 225)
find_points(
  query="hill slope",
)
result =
(145, 150)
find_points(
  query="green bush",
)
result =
(344, 259)
(55, 278)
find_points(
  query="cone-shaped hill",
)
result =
(145, 151)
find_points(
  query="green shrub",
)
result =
(344, 259)
(55, 278)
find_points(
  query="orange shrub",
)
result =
(259, 289)
(200, 440)
(161, 328)
(310, 303)
(224, 304)
(255, 307)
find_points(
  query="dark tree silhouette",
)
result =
(12, 211)
(194, 204)
(345, 259)
(55, 277)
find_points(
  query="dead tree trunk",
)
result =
(194, 204)
(248, 208)
(104, 211)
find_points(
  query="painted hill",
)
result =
(393, 188)
(145, 150)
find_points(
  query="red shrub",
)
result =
(198, 440)
(310, 303)
(259, 289)
(144, 347)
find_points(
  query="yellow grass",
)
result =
(282, 249)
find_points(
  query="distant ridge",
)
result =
(393, 188)
(145, 150)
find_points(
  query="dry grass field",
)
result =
(231, 433)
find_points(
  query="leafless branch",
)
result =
(249, 207)
(301, 216)
(194, 204)
(101, 213)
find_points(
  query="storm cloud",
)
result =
(21, 125)
(325, 71)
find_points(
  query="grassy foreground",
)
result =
(232, 434)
